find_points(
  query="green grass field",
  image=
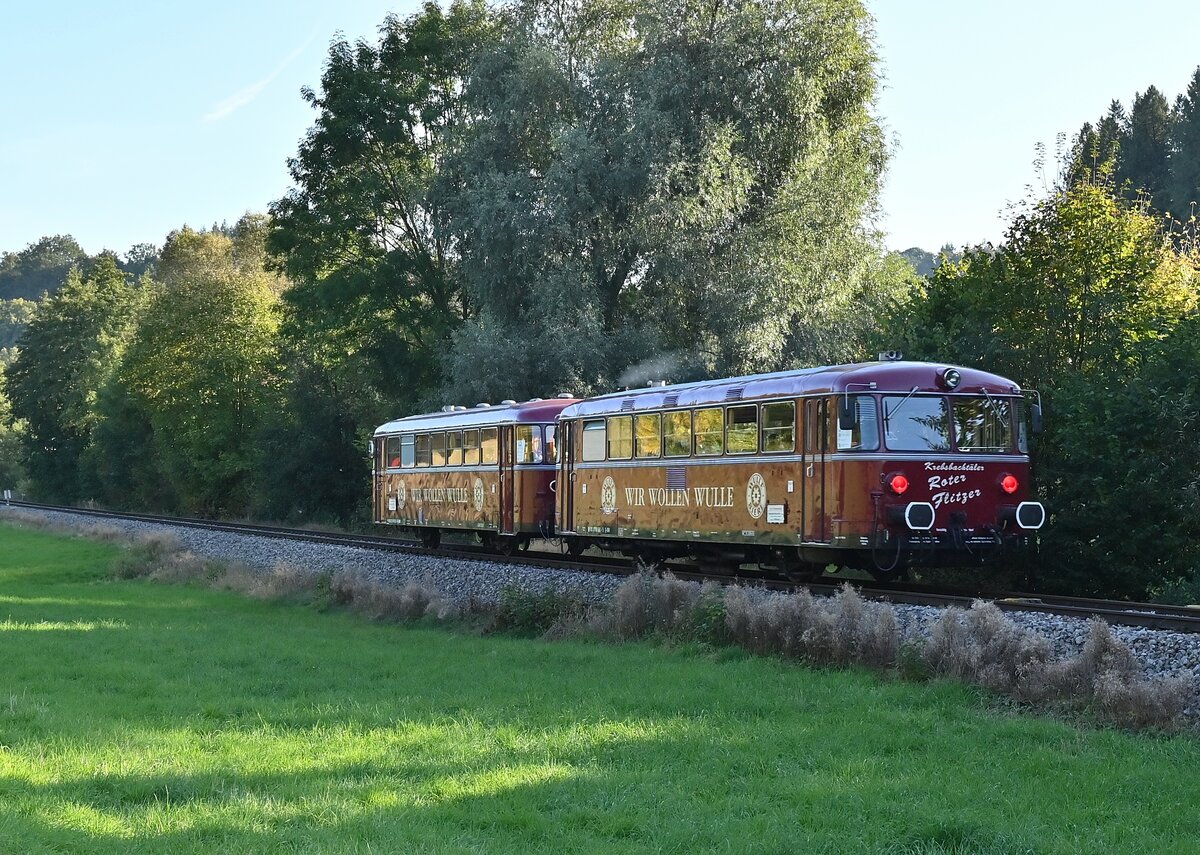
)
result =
(154, 718)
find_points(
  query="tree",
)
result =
(1144, 158)
(1185, 153)
(12, 473)
(40, 268)
(1082, 280)
(66, 352)
(362, 234)
(203, 365)
(670, 182)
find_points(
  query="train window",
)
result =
(864, 435)
(677, 434)
(593, 440)
(454, 448)
(1022, 426)
(709, 431)
(488, 444)
(529, 444)
(647, 431)
(392, 454)
(551, 448)
(916, 423)
(424, 455)
(620, 438)
(408, 454)
(779, 426)
(816, 425)
(438, 442)
(471, 447)
(741, 430)
(982, 425)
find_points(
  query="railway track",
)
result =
(1118, 612)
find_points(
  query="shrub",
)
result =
(537, 612)
(144, 556)
(354, 587)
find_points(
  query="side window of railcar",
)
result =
(529, 444)
(408, 453)
(471, 447)
(677, 434)
(489, 445)
(864, 435)
(816, 425)
(392, 455)
(709, 431)
(916, 423)
(647, 429)
(551, 446)
(779, 426)
(620, 437)
(741, 430)
(424, 452)
(454, 448)
(439, 448)
(593, 440)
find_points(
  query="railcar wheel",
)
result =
(576, 547)
(431, 538)
(899, 574)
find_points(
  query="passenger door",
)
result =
(507, 478)
(816, 450)
(566, 478)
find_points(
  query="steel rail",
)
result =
(1158, 616)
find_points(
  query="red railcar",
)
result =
(489, 470)
(878, 465)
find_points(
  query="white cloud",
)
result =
(243, 97)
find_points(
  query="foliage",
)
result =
(1082, 283)
(40, 268)
(665, 183)
(362, 233)
(1185, 155)
(67, 352)
(1122, 465)
(12, 472)
(203, 364)
(15, 315)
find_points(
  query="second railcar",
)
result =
(488, 470)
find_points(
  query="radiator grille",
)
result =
(676, 478)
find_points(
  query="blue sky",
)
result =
(124, 120)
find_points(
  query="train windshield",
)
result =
(983, 425)
(916, 423)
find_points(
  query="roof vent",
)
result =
(671, 400)
(482, 406)
(564, 395)
(507, 402)
(891, 356)
(449, 408)
(459, 409)
(533, 400)
(734, 394)
(627, 405)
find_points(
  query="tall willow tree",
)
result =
(679, 184)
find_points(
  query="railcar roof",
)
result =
(524, 412)
(855, 377)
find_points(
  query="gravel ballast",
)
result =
(1161, 653)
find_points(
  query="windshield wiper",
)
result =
(993, 403)
(887, 414)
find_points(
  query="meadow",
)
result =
(138, 716)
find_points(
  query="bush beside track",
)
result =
(980, 646)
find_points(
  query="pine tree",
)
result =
(1144, 160)
(1184, 184)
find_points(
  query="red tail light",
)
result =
(1009, 484)
(897, 484)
